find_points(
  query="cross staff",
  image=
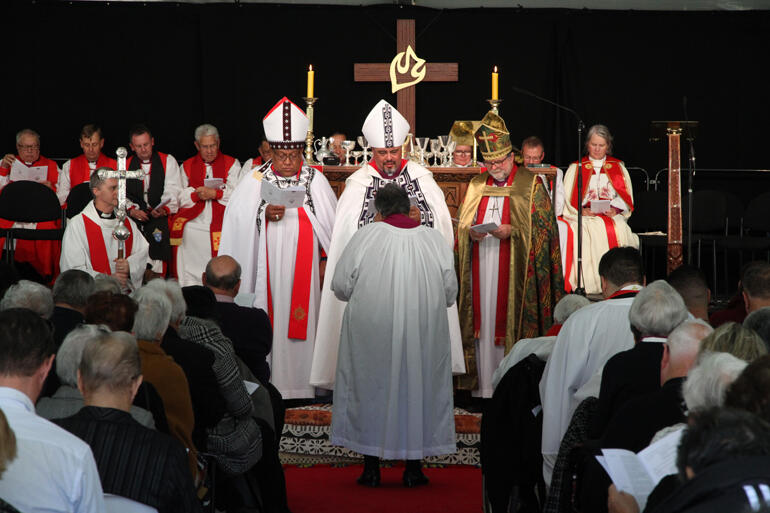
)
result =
(120, 232)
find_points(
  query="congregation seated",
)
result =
(589, 338)
(690, 283)
(248, 328)
(759, 322)
(655, 312)
(7, 455)
(67, 399)
(133, 461)
(116, 311)
(107, 282)
(540, 346)
(30, 295)
(737, 340)
(735, 310)
(756, 286)
(150, 323)
(604, 178)
(71, 291)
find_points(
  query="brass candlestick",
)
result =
(309, 139)
(495, 104)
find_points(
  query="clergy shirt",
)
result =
(600, 188)
(54, 471)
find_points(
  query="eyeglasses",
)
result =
(494, 164)
(287, 157)
(29, 146)
(463, 152)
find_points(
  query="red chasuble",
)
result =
(504, 267)
(195, 169)
(43, 255)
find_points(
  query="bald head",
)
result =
(223, 275)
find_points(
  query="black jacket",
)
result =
(250, 331)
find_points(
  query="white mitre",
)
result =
(385, 127)
(285, 126)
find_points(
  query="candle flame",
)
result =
(310, 68)
(495, 70)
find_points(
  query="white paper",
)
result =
(290, 197)
(214, 183)
(250, 386)
(660, 458)
(485, 227)
(600, 206)
(163, 203)
(629, 474)
(21, 173)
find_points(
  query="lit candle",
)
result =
(310, 80)
(495, 76)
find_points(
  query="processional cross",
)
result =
(405, 71)
(120, 232)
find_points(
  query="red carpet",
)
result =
(322, 489)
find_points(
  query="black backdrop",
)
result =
(174, 66)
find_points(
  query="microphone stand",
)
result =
(689, 186)
(579, 182)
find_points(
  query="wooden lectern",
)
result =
(673, 131)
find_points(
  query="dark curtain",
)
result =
(174, 66)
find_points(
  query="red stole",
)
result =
(303, 274)
(615, 174)
(504, 268)
(195, 169)
(81, 172)
(553, 330)
(96, 247)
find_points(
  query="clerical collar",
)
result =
(627, 291)
(653, 339)
(105, 215)
(146, 162)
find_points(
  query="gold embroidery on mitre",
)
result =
(299, 313)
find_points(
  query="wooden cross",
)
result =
(380, 72)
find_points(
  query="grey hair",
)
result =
(204, 130)
(106, 283)
(759, 321)
(173, 292)
(737, 340)
(657, 309)
(27, 131)
(603, 132)
(30, 295)
(568, 305)
(73, 287)
(708, 380)
(71, 351)
(97, 177)
(686, 338)
(110, 361)
(154, 312)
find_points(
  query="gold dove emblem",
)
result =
(400, 65)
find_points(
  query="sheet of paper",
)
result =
(600, 206)
(250, 386)
(290, 197)
(163, 203)
(20, 172)
(214, 183)
(485, 227)
(660, 458)
(629, 474)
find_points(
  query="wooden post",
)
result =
(674, 251)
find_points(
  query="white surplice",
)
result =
(594, 230)
(195, 251)
(393, 389)
(589, 337)
(352, 212)
(253, 243)
(539, 346)
(75, 252)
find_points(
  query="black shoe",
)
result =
(370, 478)
(414, 478)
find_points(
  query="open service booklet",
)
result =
(638, 474)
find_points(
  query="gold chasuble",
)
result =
(535, 281)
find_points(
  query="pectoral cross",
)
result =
(496, 212)
(120, 232)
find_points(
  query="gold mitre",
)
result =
(462, 132)
(493, 137)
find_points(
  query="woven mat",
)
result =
(305, 439)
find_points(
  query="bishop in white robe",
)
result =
(88, 243)
(385, 130)
(281, 250)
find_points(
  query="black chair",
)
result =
(78, 198)
(649, 217)
(28, 202)
(754, 233)
(709, 224)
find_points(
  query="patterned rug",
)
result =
(305, 439)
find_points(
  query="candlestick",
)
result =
(495, 103)
(495, 77)
(310, 81)
(309, 100)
